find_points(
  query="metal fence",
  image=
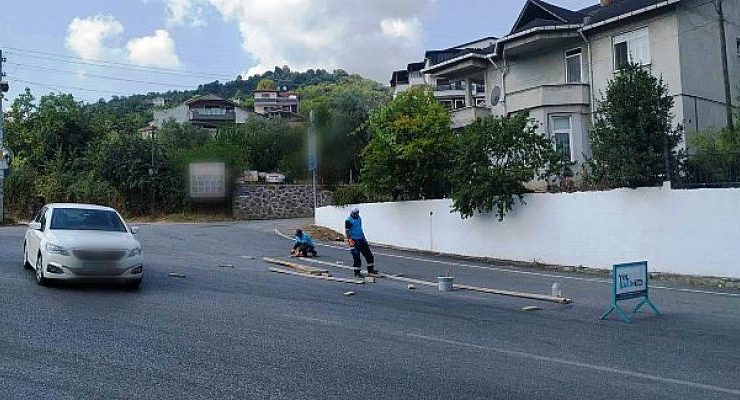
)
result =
(707, 171)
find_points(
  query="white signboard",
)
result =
(207, 180)
(630, 278)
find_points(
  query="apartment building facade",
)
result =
(451, 93)
(556, 64)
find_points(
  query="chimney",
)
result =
(606, 3)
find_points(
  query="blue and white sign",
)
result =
(630, 281)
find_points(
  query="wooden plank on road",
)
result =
(298, 267)
(305, 275)
(509, 293)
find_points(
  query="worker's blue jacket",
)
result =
(354, 226)
(304, 240)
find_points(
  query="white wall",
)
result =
(693, 232)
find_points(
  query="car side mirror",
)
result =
(134, 230)
(35, 226)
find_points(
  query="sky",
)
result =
(99, 48)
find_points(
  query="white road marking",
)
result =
(511, 271)
(577, 364)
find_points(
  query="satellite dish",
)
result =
(495, 95)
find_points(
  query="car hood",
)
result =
(93, 240)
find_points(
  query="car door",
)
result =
(35, 236)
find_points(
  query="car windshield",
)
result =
(79, 219)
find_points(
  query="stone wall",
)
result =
(276, 201)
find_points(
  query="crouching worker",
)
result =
(358, 244)
(303, 245)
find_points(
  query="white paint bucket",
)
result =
(445, 283)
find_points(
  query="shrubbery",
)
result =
(351, 194)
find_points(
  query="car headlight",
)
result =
(56, 249)
(135, 252)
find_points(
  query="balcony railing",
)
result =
(458, 86)
(466, 115)
(201, 116)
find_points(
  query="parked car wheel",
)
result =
(40, 271)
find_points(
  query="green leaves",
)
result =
(409, 152)
(493, 159)
(632, 137)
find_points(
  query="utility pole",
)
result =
(3, 89)
(725, 70)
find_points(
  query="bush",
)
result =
(632, 140)
(20, 191)
(494, 157)
(409, 153)
(352, 194)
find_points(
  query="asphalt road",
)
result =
(243, 332)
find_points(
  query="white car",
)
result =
(81, 241)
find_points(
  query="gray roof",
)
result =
(620, 7)
(537, 13)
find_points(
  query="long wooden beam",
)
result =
(305, 275)
(522, 295)
(298, 267)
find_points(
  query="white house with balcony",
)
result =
(555, 63)
(451, 93)
(208, 111)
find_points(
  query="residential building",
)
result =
(449, 92)
(208, 111)
(556, 63)
(275, 102)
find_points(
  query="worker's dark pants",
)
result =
(304, 249)
(361, 247)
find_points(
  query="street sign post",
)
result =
(312, 155)
(630, 281)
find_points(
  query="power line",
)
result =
(112, 63)
(61, 88)
(63, 71)
(73, 61)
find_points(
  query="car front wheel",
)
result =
(132, 284)
(26, 264)
(40, 271)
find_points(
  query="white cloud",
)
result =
(409, 29)
(157, 50)
(370, 37)
(86, 38)
(185, 12)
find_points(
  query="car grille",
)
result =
(99, 255)
(98, 271)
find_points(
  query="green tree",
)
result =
(341, 109)
(409, 152)
(266, 84)
(632, 140)
(493, 159)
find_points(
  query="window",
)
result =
(86, 220)
(459, 103)
(265, 95)
(631, 47)
(561, 129)
(480, 102)
(573, 65)
(738, 47)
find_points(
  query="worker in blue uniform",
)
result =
(358, 243)
(303, 245)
